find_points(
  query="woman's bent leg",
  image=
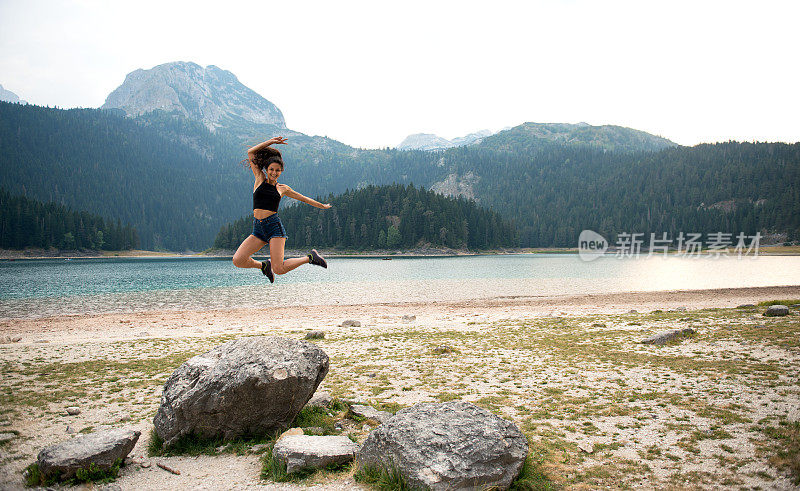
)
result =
(279, 265)
(251, 245)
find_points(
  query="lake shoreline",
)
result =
(10, 254)
(179, 323)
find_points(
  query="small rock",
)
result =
(313, 452)
(101, 448)
(4, 437)
(338, 425)
(109, 487)
(444, 350)
(291, 432)
(41, 341)
(221, 449)
(681, 309)
(143, 334)
(665, 337)
(314, 430)
(350, 323)
(372, 375)
(315, 335)
(144, 465)
(633, 311)
(408, 318)
(598, 324)
(10, 339)
(366, 428)
(259, 448)
(586, 447)
(70, 430)
(73, 410)
(369, 412)
(776, 311)
(320, 399)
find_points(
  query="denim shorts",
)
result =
(268, 228)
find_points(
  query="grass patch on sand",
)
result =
(383, 478)
(196, 445)
(786, 448)
(93, 474)
(787, 303)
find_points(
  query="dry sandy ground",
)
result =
(713, 411)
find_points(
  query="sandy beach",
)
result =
(599, 408)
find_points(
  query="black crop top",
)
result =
(266, 197)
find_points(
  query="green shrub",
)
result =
(34, 476)
(383, 478)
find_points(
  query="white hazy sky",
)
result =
(370, 73)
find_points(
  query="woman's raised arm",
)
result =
(278, 140)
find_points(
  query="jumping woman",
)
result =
(267, 164)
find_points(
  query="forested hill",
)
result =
(95, 161)
(385, 217)
(556, 191)
(177, 183)
(30, 223)
(606, 137)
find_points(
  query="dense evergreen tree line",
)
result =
(177, 183)
(97, 161)
(555, 191)
(30, 223)
(385, 217)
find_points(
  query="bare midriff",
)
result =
(260, 214)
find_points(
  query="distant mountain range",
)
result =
(8, 96)
(216, 99)
(427, 141)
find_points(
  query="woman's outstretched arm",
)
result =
(287, 191)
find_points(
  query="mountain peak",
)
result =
(8, 96)
(428, 141)
(210, 95)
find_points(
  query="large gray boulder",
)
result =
(101, 448)
(777, 311)
(252, 385)
(453, 445)
(313, 452)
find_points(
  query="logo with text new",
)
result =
(591, 245)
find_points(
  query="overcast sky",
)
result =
(370, 73)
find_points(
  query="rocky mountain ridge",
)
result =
(8, 96)
(210, 95)
(428, 141)
(605, 137)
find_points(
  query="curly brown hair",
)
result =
(266, 156)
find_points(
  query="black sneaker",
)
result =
(266, 268)
(316, 259)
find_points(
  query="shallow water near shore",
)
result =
(48, 287)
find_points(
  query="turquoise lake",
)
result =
(47, 287)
